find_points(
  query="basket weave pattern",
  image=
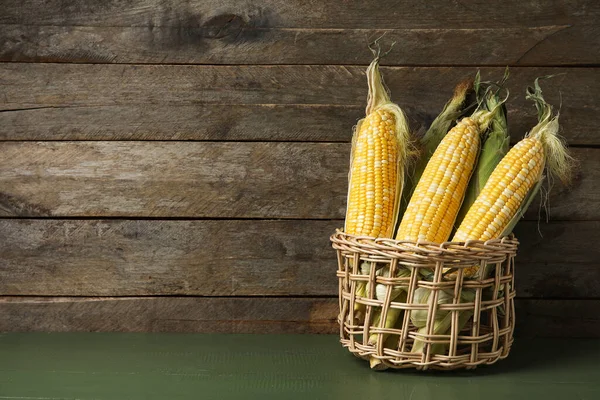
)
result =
(484, 339)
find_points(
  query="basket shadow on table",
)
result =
(526, 354)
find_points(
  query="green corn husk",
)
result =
(380, 289)
(494, 148)
(442, 327)
(390, 320)
(454, 108)
(397, 292)
(389, 341)
(419, 317)
(362, 289)
(443, 319)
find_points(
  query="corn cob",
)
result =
(516, 179)
(379, 152)
(440, 127)
(428, 143)
(439, 193)
(508, 185)
(453, 109)
(380, 148)
(436, 200)
(493, 149)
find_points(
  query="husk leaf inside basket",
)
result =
(443, 319)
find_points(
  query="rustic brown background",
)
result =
(179, 166)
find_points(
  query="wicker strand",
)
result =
(484, 339)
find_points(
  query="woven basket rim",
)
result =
(345, 241)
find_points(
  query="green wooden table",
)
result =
(102, 366)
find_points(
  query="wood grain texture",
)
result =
(243, 258)
(557, 318)
(183, 122)
(79, 78)
(229, 40)
(124, 258)
(367, 14)
(557, 260)
(273, 31)
(578, 200)
(210, 180)
(100, 102)
(168, 314)
(174, 179)
(535, 318)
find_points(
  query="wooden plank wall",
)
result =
(179, 166)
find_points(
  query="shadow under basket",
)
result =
(426, 306)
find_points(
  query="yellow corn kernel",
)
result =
(438, 195)
(373, 177)
(501, 197)
(503, 193)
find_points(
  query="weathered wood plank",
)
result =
(300, 14)
(125, 258)
(208, 179)
(86, 85)
(298, 32)
(558, 318)
(557, 242)
(558, 280)
(70, 101)
(183, 122)
(556, 260)
(579, 200)
(162, 179)
(535, 318)
(242, 258)
(233, 42)
(294, 122)
(168, 314)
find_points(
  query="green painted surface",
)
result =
(193, 366)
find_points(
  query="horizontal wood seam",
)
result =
(574, 145)
(293, 297)
(134, 218)
(293, 29)
(383, 64)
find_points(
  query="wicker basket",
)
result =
(484, 338)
